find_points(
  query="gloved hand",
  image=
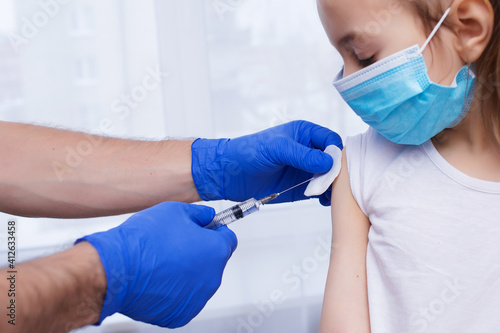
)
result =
(263, 163)
(161, 265)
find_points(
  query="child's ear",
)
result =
(473, 22)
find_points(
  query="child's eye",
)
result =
(366, 62)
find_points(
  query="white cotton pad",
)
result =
(321, 183)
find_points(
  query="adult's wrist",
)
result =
(93, 276)
(207, 167)
(112, 277)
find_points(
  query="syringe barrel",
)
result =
(234, 213)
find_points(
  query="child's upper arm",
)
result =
(345, 305)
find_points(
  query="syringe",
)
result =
(245, 208)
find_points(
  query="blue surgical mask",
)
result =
(397, 98)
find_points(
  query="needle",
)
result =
(291, 188)
(275, 195)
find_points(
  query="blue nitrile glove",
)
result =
(264, 163)
(161, 265)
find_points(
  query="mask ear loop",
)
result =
(436, 28)
(468, 99)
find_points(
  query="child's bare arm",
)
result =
(345, 305)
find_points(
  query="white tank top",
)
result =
(433, 257)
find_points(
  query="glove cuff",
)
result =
(207, 168)
(115, 267)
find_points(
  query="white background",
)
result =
(233, 68)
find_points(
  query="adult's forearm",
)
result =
(48, 172)
(56, 294)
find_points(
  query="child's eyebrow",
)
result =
(350, 37)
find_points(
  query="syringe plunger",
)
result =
(235, 213)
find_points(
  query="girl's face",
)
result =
(365, 31)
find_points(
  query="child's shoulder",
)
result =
(370, 150)
(370, 159)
